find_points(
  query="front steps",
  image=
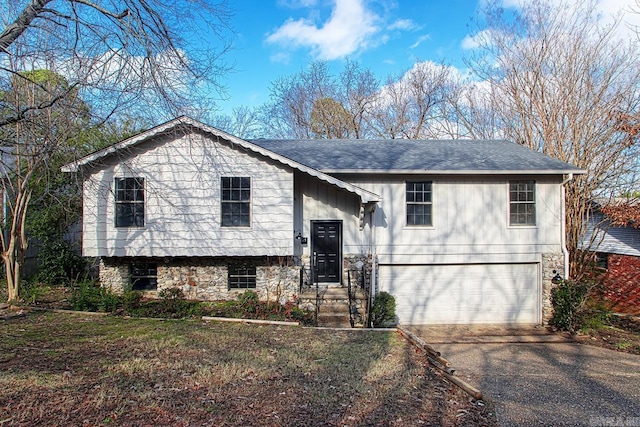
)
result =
(333, 306)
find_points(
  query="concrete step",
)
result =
(331, 294)
(334, 306)
(333, 321)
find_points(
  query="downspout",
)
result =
(374, 261)
(374, 255)
(563, 235)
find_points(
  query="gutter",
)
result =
(563, 233)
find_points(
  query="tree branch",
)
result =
(19, 26)
(103, 10)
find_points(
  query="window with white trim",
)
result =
(522, 203)
(129, 195)
(236, 201)
(419, 202)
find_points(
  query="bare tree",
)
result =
(314, 103)
(70, 64)
(244, 122)
(288, 114)
(412, 105)
(556, 80)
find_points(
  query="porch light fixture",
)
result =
(303, 240)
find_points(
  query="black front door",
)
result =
(326, 241)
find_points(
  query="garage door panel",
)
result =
(482, 293)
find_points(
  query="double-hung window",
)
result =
(129, 202)
(419, 203)
(522, 203)
(236, 202)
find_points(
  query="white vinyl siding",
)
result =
(470, 221)
(319, 201)
(182, 176)
(464, 293)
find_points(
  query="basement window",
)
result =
(242, 276)
(144, 276)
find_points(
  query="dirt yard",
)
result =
(622, 334)
(66, 369)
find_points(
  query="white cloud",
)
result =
(282, 57)
(419, 41)
(626, 13)
(403, 24)
(475, 41)
(349, 29)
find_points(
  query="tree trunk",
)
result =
(16, 248)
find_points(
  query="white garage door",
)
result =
(463, 294)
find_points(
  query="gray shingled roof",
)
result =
(438, 156)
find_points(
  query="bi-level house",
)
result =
(457, 231)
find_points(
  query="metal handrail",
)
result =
(367, 290)
(314, 279)
(351, 300)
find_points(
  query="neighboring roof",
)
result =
(603, 236)
(184, 121)
(417, 156)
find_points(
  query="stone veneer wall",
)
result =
(113, 275)
(207, 278)
(550, 262)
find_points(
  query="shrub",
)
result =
(383, 310)
(131, 300)
(109, 301)
(31, 290)
(59, 264)
(88, 296)
(173, 303)
(568, 299)
(595, 316)
(249, 302)
(306, 317)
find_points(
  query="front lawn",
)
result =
(74, 369)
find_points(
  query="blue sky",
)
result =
(275, 38)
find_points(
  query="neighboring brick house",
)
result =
(617, 242)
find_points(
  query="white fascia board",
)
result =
(454, 172)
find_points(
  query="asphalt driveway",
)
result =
(537, 379)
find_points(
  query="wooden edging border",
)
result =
(435, 359)
(257, 321)
(207, 318)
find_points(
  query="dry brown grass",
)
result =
(62, 369)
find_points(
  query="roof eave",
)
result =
(454, 172)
